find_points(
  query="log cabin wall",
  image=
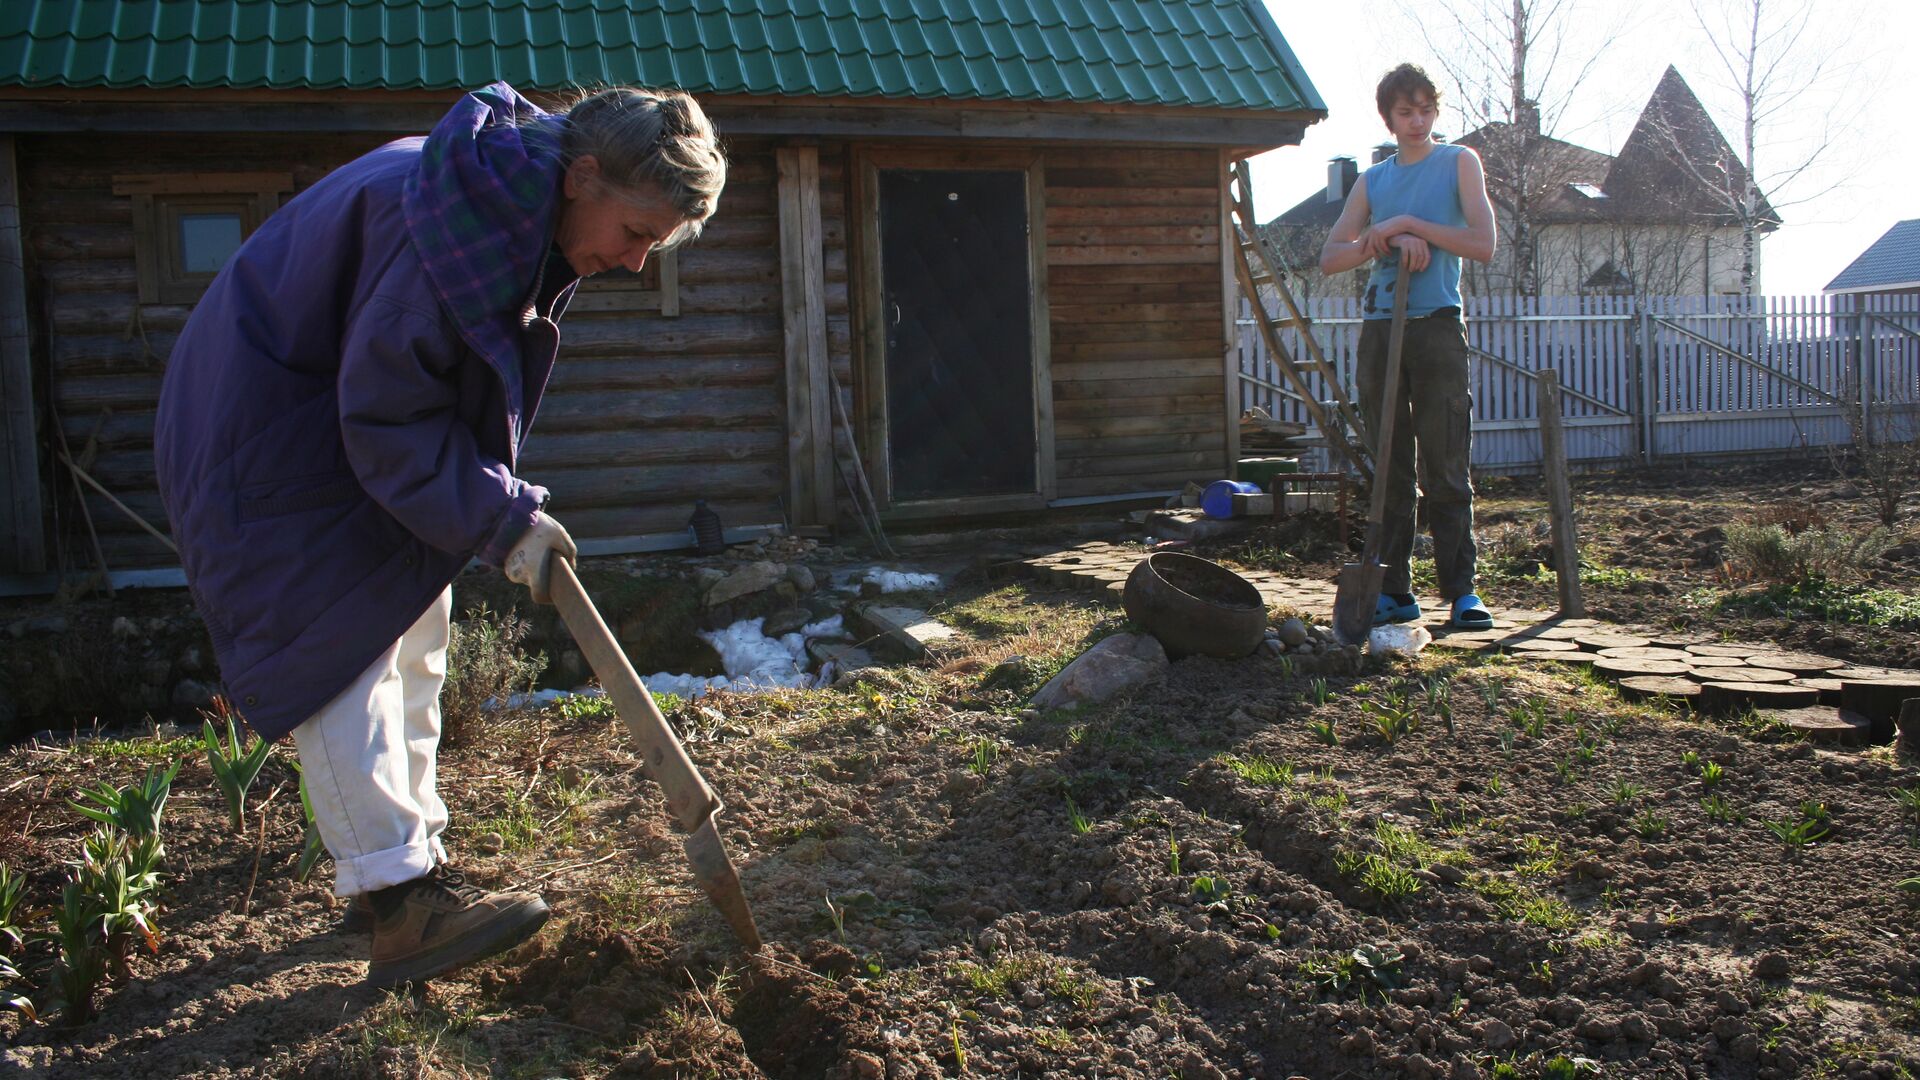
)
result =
(1133, 267)
(644, 413)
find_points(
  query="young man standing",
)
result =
(1427, 204)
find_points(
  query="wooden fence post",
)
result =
(1649, 396)
(22, 536)
(1553, 463)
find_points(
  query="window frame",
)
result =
(655, 289)
(158, 201)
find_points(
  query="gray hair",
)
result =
(662, 137)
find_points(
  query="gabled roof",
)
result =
(1676, 164)
(1559, 165)
(1202, 53)
(1889, 262)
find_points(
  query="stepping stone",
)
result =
(1702, 662)
(1800, 663)
(1742, 651)
(1463, 643)
(1641, 687)
(1648, 652)
(1824, 724)
(1744, 675)
(1550, 657)
(907, 630)
(1580, 623)
(1538, 645)
(1830, 689)
(1620, 667)
(1601, 639)
(1681, 641)
(1553, 633)
(1731, 697)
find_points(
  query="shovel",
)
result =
(689, 799)
(1358, 593)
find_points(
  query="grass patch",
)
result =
(146, 748)
(1523, 904)
(1260, 770)
(1014, 972)
(1826, 601)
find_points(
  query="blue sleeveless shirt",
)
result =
(1430, 191)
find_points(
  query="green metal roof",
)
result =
(1211, 53)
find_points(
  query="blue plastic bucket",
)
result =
(1217, 500)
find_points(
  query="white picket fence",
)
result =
(1646, 379)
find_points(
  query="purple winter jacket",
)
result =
(339, 421)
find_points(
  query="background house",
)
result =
(1653, 220)
(998, 225)
(1889, 267)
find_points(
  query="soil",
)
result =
(1541, 875)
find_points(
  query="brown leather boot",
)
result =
(359, 918)
(439, 923)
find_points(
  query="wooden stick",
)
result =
(871, 505)
(1553, 463)
(109, 496)
(86, 514)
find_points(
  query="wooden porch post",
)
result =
(22, 539)
(810, 488)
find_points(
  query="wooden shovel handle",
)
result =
(689, 799)
(1389, 412)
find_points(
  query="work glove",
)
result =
(527, 562)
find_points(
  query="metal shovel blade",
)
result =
(1354, 601)
(691, 802)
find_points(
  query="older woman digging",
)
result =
(337, 437)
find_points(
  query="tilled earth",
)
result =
(1539, 881)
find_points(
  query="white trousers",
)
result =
(368, 756)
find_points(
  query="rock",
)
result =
(848, 656)
(193, 694)
(1744, 1047)
(747, 580)
(865, 1066)
(1772, 965)
(1293, 632)
(44, 624)
(990, 941)
(1271, 648)
(1191, 525)
(1497, 1035)
(1449, 873)
(124, 628)
(801, 576)
(1117, 663)
(1638, 1028)
(490, 843)
(709, 576)
(906, 630)
(786, 621)
(1010, 672)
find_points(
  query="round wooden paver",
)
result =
(1744, 675)
(1829, 689)
(1715, 661)
(1868, 672)
(1464, 643)
(1554, 633)
(1879, 699)
(1649, 652)
(1738, 649)
(1800, 663)
(1681, 641)
(1539, 645)
(1602, 639)
(1641, 687)
(1825, 724)
(1620, 667)
(1547, 656)
(1729, 697)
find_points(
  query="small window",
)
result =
(187, 225)
(1591, 191)
(655, 288)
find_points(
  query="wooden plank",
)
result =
(1040, 315)
(1125, 483)
(1119, 275)
(1553, 453)
(1179, 408)
(809, 424)
(1106, 425)
(1123, 445)
(1151, 384)
(663, 373)
(1195, 330)
(1136, 254)
(729, 407)
(1208, 347)
(868, 410)
(1226, 309)
(627, 485)
(1196, 195)
(1200, 176)
(22, 532)
(559, 448)
(1082, 370)
(193, 183)
(1110, 235)
(1112, 312)
(1138, 292)
(1201, 212)
(1194, 463)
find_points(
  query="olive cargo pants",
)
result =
(1435, 410)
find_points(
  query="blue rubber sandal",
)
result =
(1470, 614)
(1386, 611)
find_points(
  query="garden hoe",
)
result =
(689, 799)
(1358, 594)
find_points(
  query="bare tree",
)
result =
(1777, 60)
(1515, 66)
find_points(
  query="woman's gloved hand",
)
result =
(527, 562)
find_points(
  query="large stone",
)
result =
(747, 580)
(1191, 525)
(801, 576)
(905, 630)
(1117, 663)
(786, 621)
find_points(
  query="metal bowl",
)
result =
(1195, 606)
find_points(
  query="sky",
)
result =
(1866, 179)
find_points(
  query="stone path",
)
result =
(1823, 697)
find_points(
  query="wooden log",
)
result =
(1553, 460)
(1622, 668)
(1150, 385)
(1879, 700)
(1647, 652)
(1114, 445)
(575, 374)
(1525, 644)
(1907, 725)
(1104, 425)
(1703, 662)
(1800, 663)
(1829, 689)
(1744, 674)
(1722, 698)
(1741, 650)
(1603, 639)
(727, 407)
(1642, 687)
(1577, 657)
(1823, 724)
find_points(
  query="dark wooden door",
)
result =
(958, 301)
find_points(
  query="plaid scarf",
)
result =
(480, 211)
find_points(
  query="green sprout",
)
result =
(1076, 820)
(233, 769)
(1324, 731)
